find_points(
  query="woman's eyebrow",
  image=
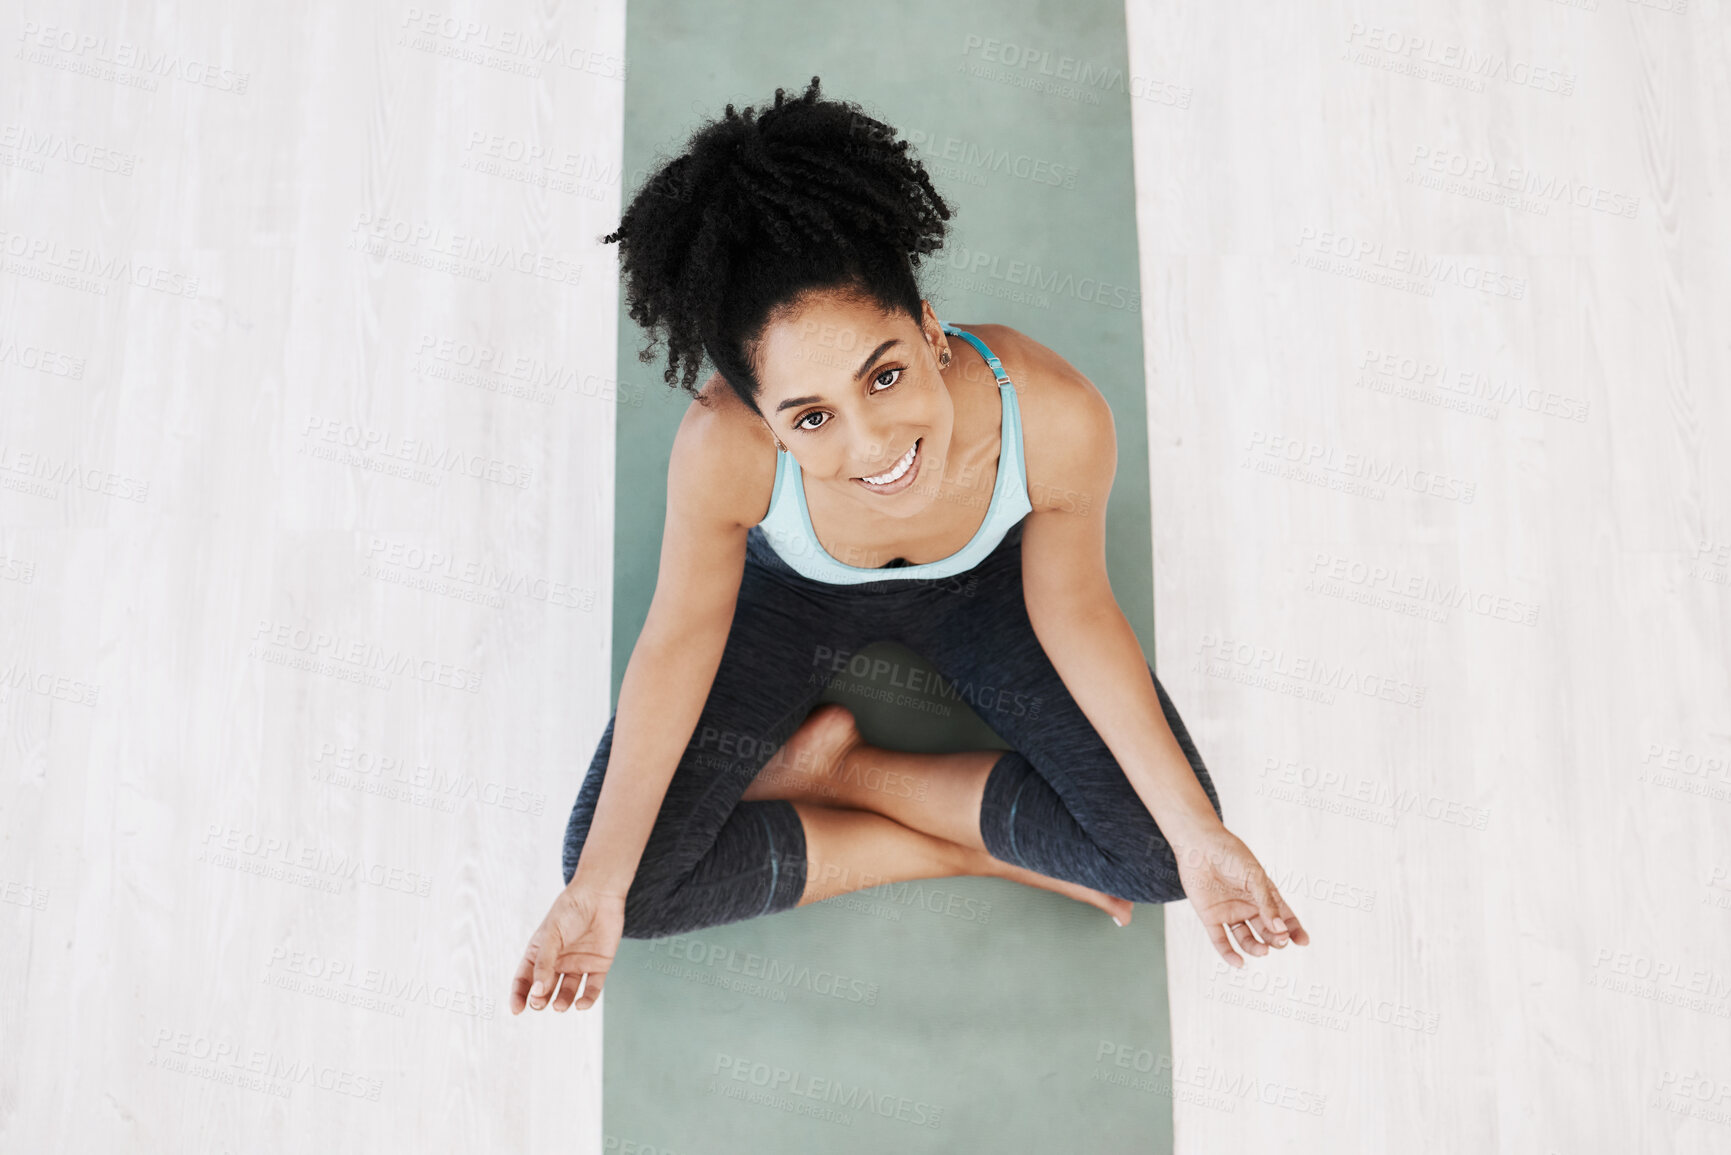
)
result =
(871, 358)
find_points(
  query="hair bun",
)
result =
(762, 207)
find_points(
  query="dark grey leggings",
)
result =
(1056, 802)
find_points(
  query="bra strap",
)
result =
(997, 366)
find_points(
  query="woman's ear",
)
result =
(934, 334)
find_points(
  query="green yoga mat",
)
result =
(957, 1014)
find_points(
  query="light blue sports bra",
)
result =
(787, 525)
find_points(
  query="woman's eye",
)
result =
(898, 371)
(886, 373)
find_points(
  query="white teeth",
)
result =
(892, 474)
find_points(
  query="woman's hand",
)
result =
(578, 937)
(1227, 887)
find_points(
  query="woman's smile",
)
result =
(898, 476)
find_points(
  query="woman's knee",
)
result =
(1135, 860)
(1149, 875)
(653, 910)
(649, 909)
(755, 866)
(648, 901)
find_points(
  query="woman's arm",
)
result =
(1069, 596)
(711, 493)
(1097, 654)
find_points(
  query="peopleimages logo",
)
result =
(1092, 289)
(1544, 188)
(1355, 256)
(93, 270)
(973, 155)
(97, 56)
(357, 654)
(1433, 59)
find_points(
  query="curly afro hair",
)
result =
(762, 209)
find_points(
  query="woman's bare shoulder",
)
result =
(1039, 373)
(725, 454)
(1066, 421)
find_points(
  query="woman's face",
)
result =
(851, 392)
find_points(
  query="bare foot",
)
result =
(808, 767)
(811, 766)
(1119, 908)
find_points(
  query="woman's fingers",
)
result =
(591, 990)
(1288, 929)
(533, 983)
(536, 978)
(1223, 944)
(1298, 933)
(1268, 909)
(564, 990)
(1274, 919)
(546, 978)
(1268, 921)
(1247, 942)
(1267, 933)
(568, 983)
(567, 960)
(1256, 917)
(520, 983)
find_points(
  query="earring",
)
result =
(944, 359)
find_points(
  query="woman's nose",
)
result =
(872, 449)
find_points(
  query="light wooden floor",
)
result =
(306, 410)
(1442, 551)
(306, 429)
